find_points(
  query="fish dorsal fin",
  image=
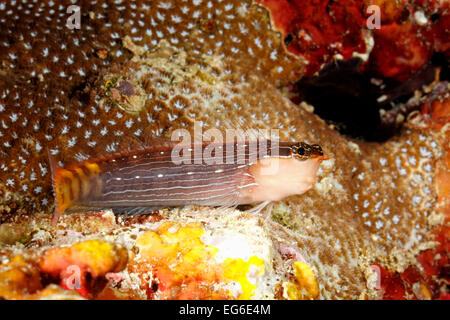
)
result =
(234, 130)
(125, 146)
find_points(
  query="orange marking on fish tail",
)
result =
(85, 172)
(83, 186)
(60, 188)
(93, 168)
(76, 184)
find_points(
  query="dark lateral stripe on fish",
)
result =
(223, 196)
(201, 184)
(145, 182)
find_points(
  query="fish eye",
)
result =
(301, 151)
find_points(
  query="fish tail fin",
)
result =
(61, 188)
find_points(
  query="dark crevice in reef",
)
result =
(351, 100)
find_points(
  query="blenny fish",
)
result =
(198, 174)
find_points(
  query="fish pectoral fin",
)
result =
(258, 208)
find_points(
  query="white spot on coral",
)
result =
(377, 206)
(14, 117)
(43, 169)
(176, 19)
(71, 142)
(87, 134)
(160, 16)
(81, 156)
(129, 123)
(379, 224)
(328, 183)
(111, 147)
(37, 190)
(257, 42)
(366, 203)
(424, 152)
(104, 131)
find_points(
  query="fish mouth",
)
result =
(316, 152)
(320, 158)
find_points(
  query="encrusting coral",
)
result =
(136, 71)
